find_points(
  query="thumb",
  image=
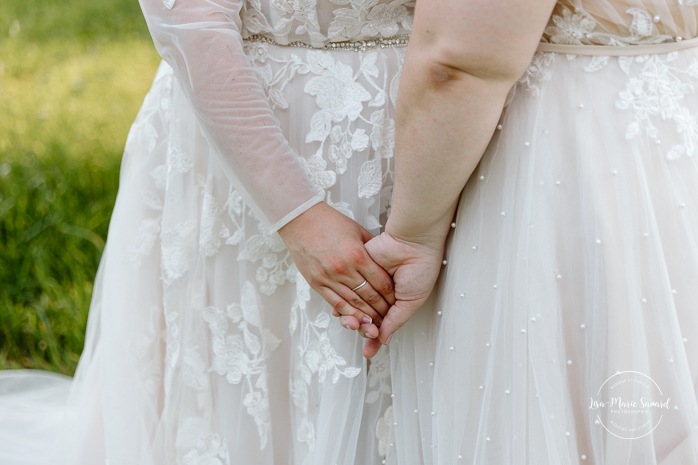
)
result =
(397, 316)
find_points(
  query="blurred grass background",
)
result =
(72, 76)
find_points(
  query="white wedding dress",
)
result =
(564, 329)
(574, 259)
(204, 344)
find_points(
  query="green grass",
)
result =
(72, 76)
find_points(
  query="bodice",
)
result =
(573, 22)
(626, 22)
(318, 22)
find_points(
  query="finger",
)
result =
(379, 279)
(340, 306)
(360, 306)
(350, 322)
(374, 300)
(371, 347)
(394, 319)
(369, 331)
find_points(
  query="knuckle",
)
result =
(340, 307)
(373, 299)
(386, 287)
(338, 267)
(357, 255)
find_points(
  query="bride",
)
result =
(260, 160)
(563, 327)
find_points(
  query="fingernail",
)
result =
(387, 341)
(367, 320)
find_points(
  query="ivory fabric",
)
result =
(575, 255)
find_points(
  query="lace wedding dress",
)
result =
(205, 345)
(565, 326)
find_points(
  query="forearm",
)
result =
(443, 129)
(462, 60)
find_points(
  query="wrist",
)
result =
(432, 235)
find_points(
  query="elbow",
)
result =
(447, 61)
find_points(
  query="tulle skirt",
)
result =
(564, 329)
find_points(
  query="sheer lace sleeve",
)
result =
(201, 40)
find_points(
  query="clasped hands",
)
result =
(374, 284)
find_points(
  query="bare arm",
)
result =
(462, 60)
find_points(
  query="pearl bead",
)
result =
(533, 319)
(488, 345)
(583, 457)
(507, 392)
(598, 241)
(499, 127)
(559, 276)
(527, 144)
(481, 387)
(495, 286)
(503, 213)
(569, 362)
(567, 433)
(679, 38)
(482, 178)
(453, 225)
(445, 262)
(439, 313)
(474, 247)
(523, 331)
(580, 106)
(452, 348)
(462, 295)
(656, 19)
(488, 439)
(582, 326)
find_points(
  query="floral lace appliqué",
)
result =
(240, 354)
(658, 92)
(580, 28)
(318, 358)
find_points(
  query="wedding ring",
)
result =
(360, 286)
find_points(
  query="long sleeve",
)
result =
(201, 41)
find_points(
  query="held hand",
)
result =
(328, 249)
(414, 268)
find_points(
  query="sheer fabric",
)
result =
(574, 255)
(204, 343)
(571, 269)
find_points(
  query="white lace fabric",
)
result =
(206, 347)
(619, 23)
(201, 41)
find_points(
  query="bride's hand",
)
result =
(328, 249)
(414, 268)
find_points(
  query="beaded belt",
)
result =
(356, 46)
(618, 50)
